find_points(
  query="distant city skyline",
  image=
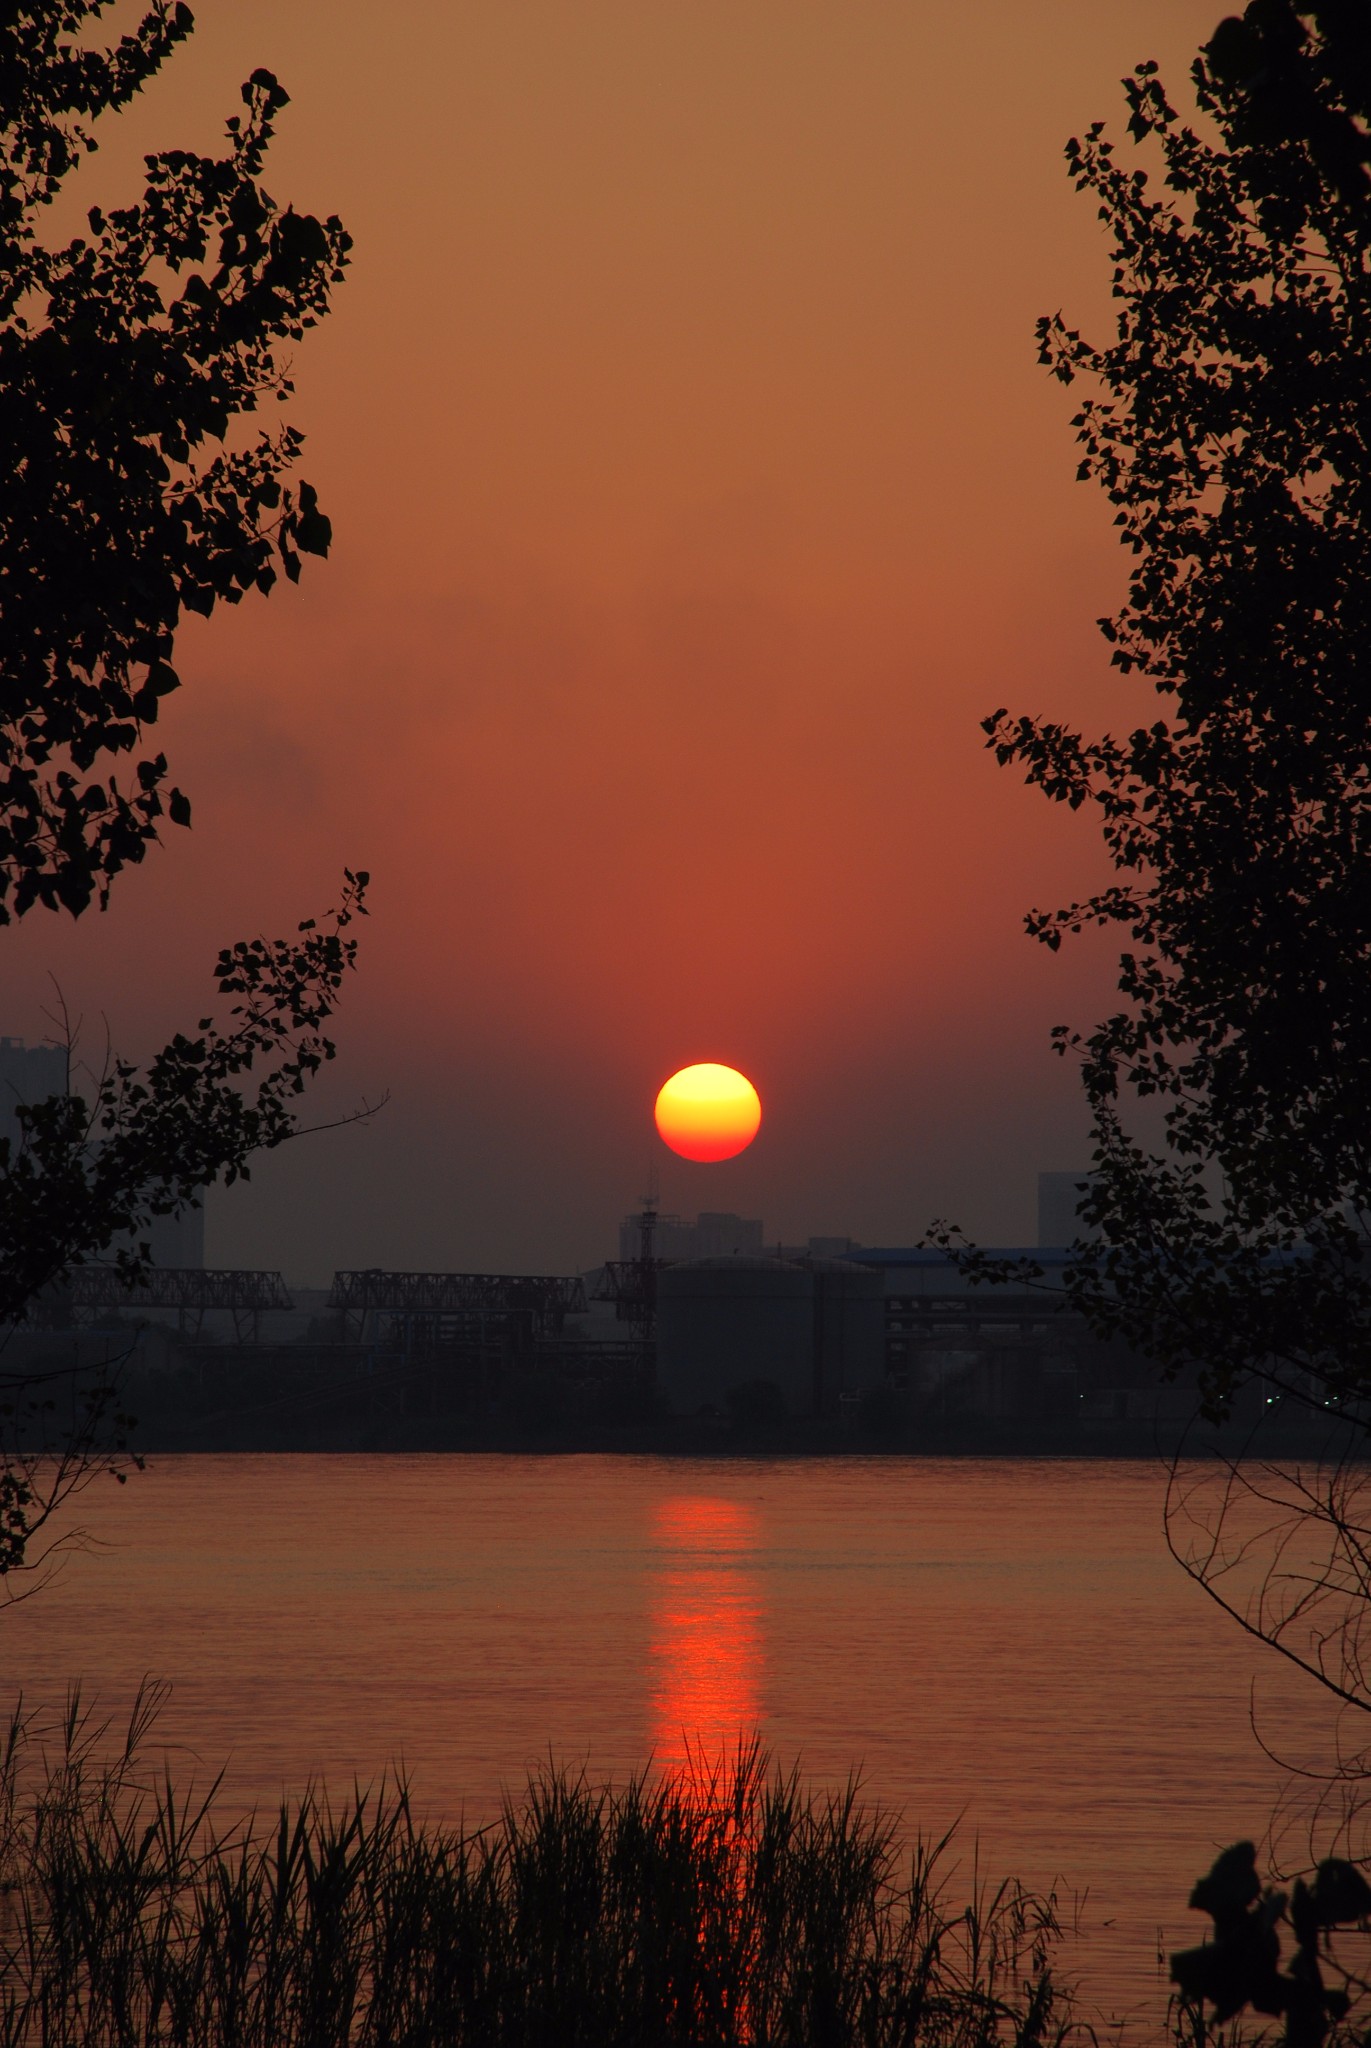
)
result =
(28, 1072)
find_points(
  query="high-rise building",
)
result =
(820, 1248)
(715, 1234)
(31, 1073)
(177, 1240)
(28, 1073)
(1059, 1198)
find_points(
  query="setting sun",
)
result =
(708, 1112)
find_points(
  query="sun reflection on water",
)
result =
(706, 1631)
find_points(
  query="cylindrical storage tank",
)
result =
(849, 1330)
(730, 1322)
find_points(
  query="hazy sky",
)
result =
(695, 492)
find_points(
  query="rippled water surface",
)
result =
(1006, 1641)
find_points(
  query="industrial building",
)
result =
(815, 1331)
(696, 1328)
(895, 1349)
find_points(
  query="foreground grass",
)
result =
(718, 1907)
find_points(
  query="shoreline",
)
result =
(689, 1438)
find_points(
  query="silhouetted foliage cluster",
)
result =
(1241, 1965)
(1228, 423)
(126, 357)
(1288, 85)
(86, 1174)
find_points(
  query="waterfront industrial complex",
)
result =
(699, 1331)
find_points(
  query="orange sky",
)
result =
(695, 491)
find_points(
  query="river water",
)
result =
(1003, 1643)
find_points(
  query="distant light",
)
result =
(708, 1112)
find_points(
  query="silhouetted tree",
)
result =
(90, 1173)
(127, 358)
(1228, 423)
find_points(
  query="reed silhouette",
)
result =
(723, 1905)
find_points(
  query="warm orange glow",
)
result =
(707, 1634)
(674, 567)
(708, 1112)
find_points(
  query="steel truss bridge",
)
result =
(243, 1293)
(434, 1307)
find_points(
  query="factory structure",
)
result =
(829, 1323)
(839, 1329)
